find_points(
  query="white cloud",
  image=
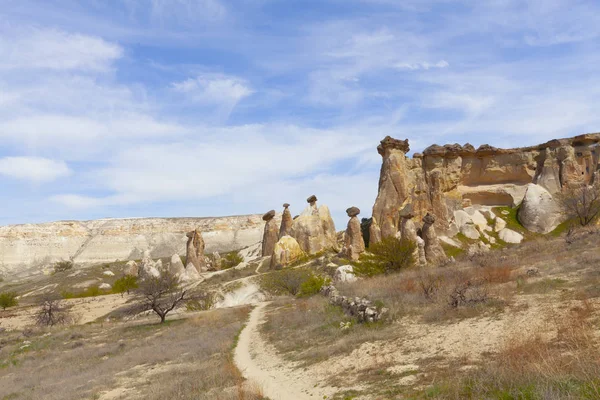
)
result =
(214, 89)
(33, 169)
(56, 50)
(422, 65)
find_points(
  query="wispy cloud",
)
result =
(33, 169)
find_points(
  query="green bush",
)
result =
(61, 266)
(294, 282)
(8, 299)
(387, 256)
(125, 284)
(231, 259)
(92, 291)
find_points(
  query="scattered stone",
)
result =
(510, 236)
(450, 242)
(499, 224)
(533, 272)
(105, 286)
(270, 235)
(470, 231)
(108, 273)
(477, 248)
(345, 273)
(360, 308)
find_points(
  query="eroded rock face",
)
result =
(314, 229)
(287, 250)
(286, 221)
(195, 250)
(176, 265)
(271, 234)
(447, 178)
(354, 244)
(434, 253)
(539, 212)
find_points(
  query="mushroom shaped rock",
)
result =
(539, 212)
(354, 244)
(286, 221)
(315, 231)
(287, 250)
(270, 235)
(434, 253)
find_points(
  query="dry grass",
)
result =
(532, 367)
(182, 359)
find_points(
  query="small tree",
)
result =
(161, 293)
(62, 266)
(52, 312)
(582, 204)
(8, 299)
(125, 284)
(388, 255)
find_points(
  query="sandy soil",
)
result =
(260, 364)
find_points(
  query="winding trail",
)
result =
(259, 363)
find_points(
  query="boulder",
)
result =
(286, 221)
(105, 286)
(315, 232)
(470, 231)
(354, 244)
(510, 236)
(344, 273)
(434, 253)
(176, 265)
(286, 251)
(539, 212)
(108, 273)
(190, 274)
(461, 218)
(270, 235)
(132, 268)
(499, 224)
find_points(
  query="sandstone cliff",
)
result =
(446, 178)
(27, 247)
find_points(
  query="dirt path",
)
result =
(260, 364)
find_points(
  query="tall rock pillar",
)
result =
(271, 234)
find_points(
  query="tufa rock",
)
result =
(354, 244)
(510, 236)
(176, 266)
(270, 235)
(434, 253)
(344, 274)
(286, 251)
(286, 222)
(195, 250)
(315, 231)
(132, 268)
(539, 212)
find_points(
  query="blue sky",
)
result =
(118, 108)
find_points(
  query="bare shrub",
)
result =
(582, 204)
(62, 266)
(161, 293)
(53, 312)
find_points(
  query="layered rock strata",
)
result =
(447, 178)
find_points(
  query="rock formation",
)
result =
(354, 244)
(176, 266)
(195, 250)
(362, 309)
(434, 253)
(539, 212)
(27, 249)
(132, 268)
(270, 235)
(344, 274)
(447, 178)
(286, 221)
(287, 250)
(314, 229)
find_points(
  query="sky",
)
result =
(172, 108)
